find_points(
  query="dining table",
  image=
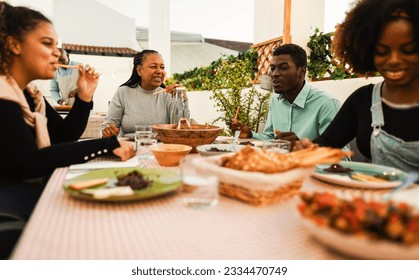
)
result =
(63, 227)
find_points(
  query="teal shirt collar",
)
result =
(300, 101)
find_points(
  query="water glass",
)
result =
(277, 146)
(199, 188)
(144, 137)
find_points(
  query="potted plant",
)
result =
(231, 87)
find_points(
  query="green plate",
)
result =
(359, 167)
(164, 182)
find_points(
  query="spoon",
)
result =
(410, 179)
(235, 139)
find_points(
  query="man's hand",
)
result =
(72, 93)
(289, 136)
(245, 131)
(303, 144)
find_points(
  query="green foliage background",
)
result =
(321, 63)
(229, 79)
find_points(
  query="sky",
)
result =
(217, 19)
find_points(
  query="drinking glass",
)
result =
(277, 146)
(144, 137)
(199, 188)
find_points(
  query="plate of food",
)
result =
(243, 142)
(359, 175)
(123, 184)
(217, 149)
(360, 228)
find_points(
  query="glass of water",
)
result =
(144, 137)
(277, 146)
(199, 189)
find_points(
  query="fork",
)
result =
(411, 178)
(235, 139)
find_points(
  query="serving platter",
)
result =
(163, 182)
(360, 246)
(345, 179)
(217, 149)
(362, 226)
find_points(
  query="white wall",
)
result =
(159, 30)
(305, 17)
(268, 20)
(114, 72)
(343, 88)
(203, 109)
(93, 23)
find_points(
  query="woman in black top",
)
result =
(380, 36)
(35, 138)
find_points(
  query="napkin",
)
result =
(101, 164)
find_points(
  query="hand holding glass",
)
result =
(277, 146)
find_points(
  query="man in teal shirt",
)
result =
(297, 110)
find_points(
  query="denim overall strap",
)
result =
(377, 109)
(387, 149)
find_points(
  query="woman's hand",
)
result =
(172, 90)
(304, 144)
(126, 151)
(110, 130)
(87, 82)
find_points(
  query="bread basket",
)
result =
(262, 188)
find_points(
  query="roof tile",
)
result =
(98, 50)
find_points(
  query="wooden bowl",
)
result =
(169, 154)
(197, 135)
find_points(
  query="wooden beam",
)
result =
(287, 22)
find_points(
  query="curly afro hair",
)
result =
(356, 37)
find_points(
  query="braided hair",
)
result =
(16, 22)
(135, 79)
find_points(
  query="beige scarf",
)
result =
(9, 90)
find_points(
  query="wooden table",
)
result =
(62, 227)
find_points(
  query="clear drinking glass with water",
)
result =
(144, 137)
(277, 146)
(199, 189)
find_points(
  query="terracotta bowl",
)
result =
(197, 135)
(169, 154)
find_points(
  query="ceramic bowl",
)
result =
(169, 154)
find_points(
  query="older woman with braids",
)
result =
(380, 36)
(143, 100)
(35, 138)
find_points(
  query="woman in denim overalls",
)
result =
(387, 149)
(380, 36)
